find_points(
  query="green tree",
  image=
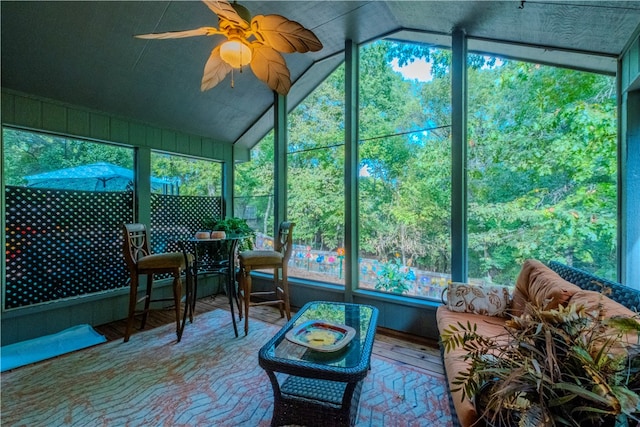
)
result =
(541, 168)
(196, 177)
(29, 153)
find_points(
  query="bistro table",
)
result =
(203, 264)
(318, 388)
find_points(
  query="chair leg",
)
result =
(133, 296)
(147, 300)
(276, 284)
(194, 287)
(235, 283)
(177, 294)
(240, 292)
(190, 277)
(246, 290)
(236, 291)
(285, 289)
(188, 307)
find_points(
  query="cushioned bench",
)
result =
(536, 283)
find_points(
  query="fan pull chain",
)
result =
(232, 80)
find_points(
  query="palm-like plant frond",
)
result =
(558, 367)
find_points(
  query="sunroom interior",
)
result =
(75, 70)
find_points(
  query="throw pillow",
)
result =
(490, 300)
(537, 284)
(591, 301)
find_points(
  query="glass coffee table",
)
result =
(316, 378)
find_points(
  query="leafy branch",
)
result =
(571, 366)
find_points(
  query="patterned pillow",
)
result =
(490, 300)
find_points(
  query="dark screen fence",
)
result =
(179, 217)
(63, 243)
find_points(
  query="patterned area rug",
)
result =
(210, 378)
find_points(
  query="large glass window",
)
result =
(542, 169)
(65, 201)
(186, 176)
(253, 192)
(405, 168)
(315, 168)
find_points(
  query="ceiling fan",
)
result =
(255, 42)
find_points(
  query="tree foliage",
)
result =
(541, 164)
(29, 153)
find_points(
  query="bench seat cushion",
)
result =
(260, 258)
(453, 362)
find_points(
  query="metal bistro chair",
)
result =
(261, 259)
(141, 261)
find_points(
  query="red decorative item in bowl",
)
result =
(321, 336)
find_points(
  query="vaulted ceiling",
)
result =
(84, 52)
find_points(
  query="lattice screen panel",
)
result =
(61, 244)
(179, 217)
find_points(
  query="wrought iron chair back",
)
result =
(136, 244)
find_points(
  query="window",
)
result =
(542, 169)
(541, 172)
(186, 194)
(253, 192)
(405, 168)
(315, 168)
(186, 176)
(65, 202)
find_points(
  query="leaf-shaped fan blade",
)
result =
(225, 11)
(269, 66)
(203, 31)
(284, 35)
(215, 70)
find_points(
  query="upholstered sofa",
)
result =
(545, 286)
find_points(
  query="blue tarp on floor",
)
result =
(48, 346)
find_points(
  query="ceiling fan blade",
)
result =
(225, 11)
(284, 35)
(215, 70)
(203, 31)
(269, 66)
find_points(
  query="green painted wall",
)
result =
(29, 112)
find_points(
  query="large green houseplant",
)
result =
(563, 367)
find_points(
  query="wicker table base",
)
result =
(319, 390)
(316, 403)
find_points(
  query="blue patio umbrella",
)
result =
(94, 177)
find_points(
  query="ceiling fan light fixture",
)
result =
(235, 53)
(258, 42)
